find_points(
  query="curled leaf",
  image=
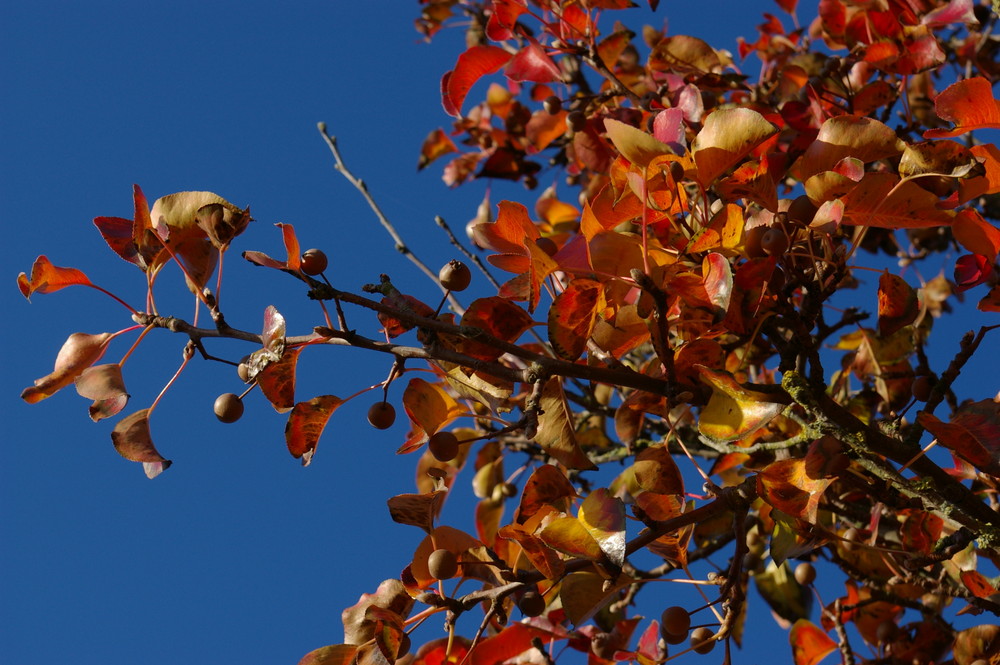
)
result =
(733, 411)
(133, 441)
(634, 144)
(969, 104)
(728, 136)
(472, 65)
(46, 278)
(78, 352)
(103, 384)
(809, 643)
(603, 516)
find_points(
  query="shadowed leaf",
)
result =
(973, 433)
(335, 654)
(556, 434)
(898, 304)
(104, 385)
(78, 352)
(305, 425)
(573, 315)
(603, 516)
(133, 441)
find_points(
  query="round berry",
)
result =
(455, 276)
(382, 415)
(442, 564)
(228, 407)
(774, 241)
(921, 388)
(701, 640)
(805, 573)
(675, 621)
(577, 121)
(531, 603)
(552, 105)
(444, 446)
(313, 261)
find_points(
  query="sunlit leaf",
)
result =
(583, 594)
(978, 584)
(603, 516)
(473, 64)
(359, 624)
(717, 276)
(47, 278)
(103, 384)
(977, 643)
(532, 63)
(880, 199)
(428, 406)
(503, 19)
(898, 304)
(305, 425)
(810, 644)
(222, 222)
(969, 104)
(634, 144)
(497, 317)
(573, 315)
(727, 136)
(786, 485)
(514, 640)
(78, 352)
(865, 139)
(436, 144)
(976, 234)
(733, 411)
(133, 441)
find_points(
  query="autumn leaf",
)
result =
(547, 486)
(436, 144)
(277, 380)
(47, 278)
(78, 352)
(507, 644)
(570, 535)
(810, 644)
(556, 434)
(733, 411)
(573, 315)
(864, 139)
(545, 559)
(429, 408)
(497, 317)
(291, 250)
(883, 200)
(603, 516)
(973, 433)
(976, 234)
(977, 643)
(417, 509)
(395, 326)
(787, 485)
(898, 305)
(532, 63)
(305, 425)
(359, 624)
(969, 104)
(657, 472)
(789, 600)
(335, 654)
(634, 144)
(103, 384)
(133, 441)
(971, 270)
(473, 64)
(727, 136)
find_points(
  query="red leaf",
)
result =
(978, 584)
(969, 104)
(512, 641)
(503, 18)
(277, 381)
(971, 270)
(573, 315)
(435, 145)
(46, 278)
(394, 327)
(809, 643)
(472, 65)
(531, 63)
(497, 317)
(976, 234)
(786, 485)
(305, 425)
(973, 434)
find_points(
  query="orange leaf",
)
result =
(573, 315)
(786, 485)
(656, 471)
(512, 641)
(473, 64)
(133, 441)
(547, 486)
(335, 654)
(880, 199)
(809, 643)
(728, 136)
(46, 278)
(497, 317)
(843, 136)
(436, 144)
(417, 509)
(898, 304)
(634, 144)
(428, 406)
(569, 535)
(978, 584)
(969, 104)
(78, 352)
(976, 234)
(541, 556)
(305, 425)
(277, 381)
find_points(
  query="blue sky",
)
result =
(236, 553)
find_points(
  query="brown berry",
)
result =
(752, 242)
(604, 645)
(382, 415)
(805, 573)
(577, 121)
(921, 388)
(886, 631)
(774, 241)
(455, 276)
(675, 622)
(851, 537)
(228, 407)
(313, 262)
(444, 446)
(442, 564)
(552, 105)
(531, 603)
(701, 640)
